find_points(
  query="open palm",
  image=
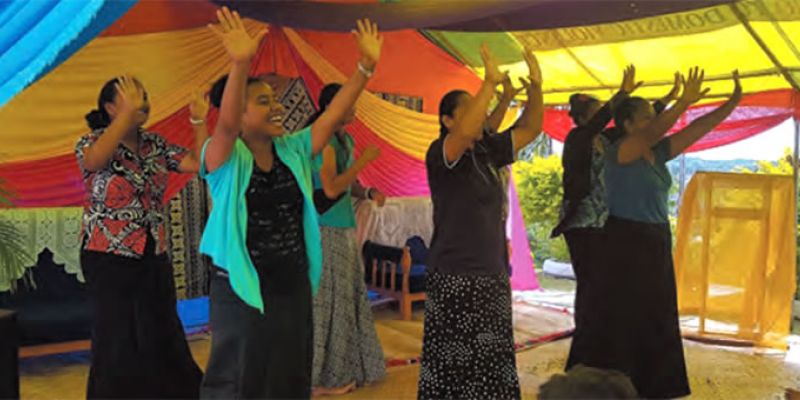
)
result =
(534, 70)
(240, 44)
(693, 86)
(130, 93)
(629, 84)
(490, 64)
(369, 41)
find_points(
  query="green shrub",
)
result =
(539, 189)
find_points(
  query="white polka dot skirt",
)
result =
(468, 345)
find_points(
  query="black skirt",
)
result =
(468, 344)
(139, 348)
(261, 356)
(631, 322)
(586, 249)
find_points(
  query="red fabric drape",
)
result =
(413, 180)
(756, 113)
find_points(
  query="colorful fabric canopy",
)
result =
(166, 45)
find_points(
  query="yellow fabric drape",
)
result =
(46, 119)
(735, 259)
(591, 58)
(410, 131)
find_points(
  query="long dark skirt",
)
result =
(468, 344)
(261, 356)
(586, 249)
(346, 346)
(640, 332)
(139, 348)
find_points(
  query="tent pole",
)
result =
(682, 182)
(795, 162)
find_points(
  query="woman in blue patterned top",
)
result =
(584, 210)
(643, 337)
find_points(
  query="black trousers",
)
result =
(139, 348)
(261, 356)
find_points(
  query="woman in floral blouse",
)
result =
(138, 345)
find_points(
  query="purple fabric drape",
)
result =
(467, 16)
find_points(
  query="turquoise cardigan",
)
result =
(225, 235)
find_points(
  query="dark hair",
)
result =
(588, 383)
(215, 94)
(99, 118)
(579, 105)
(325, 98)
(625, 110)
(447, 106)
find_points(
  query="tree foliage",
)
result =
(539, 188)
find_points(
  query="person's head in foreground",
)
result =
(583, 382)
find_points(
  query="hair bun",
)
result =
(97, 119)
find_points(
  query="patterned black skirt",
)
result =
(468, 345)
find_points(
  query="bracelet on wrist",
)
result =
(194, 121)
(367, 73)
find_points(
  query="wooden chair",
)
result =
(389, 273)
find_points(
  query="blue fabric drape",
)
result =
(38, 35)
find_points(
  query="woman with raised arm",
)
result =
(263, 232)
(347, 353)
(468, 345)
(123, 250)
(643, 337)
(584, 210)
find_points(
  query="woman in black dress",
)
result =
(468, 345)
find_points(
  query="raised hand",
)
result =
(736, 96)
(490, 64)
(629, 84)
(198, 108)
(534, 70)
(693, 86)
(131, 94)
(371, 153)
(526, 84)
(369, 41)
(240, 45)
(675, 92)
(509, 91)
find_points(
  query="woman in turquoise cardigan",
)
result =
(347, 352)
(263, 232)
